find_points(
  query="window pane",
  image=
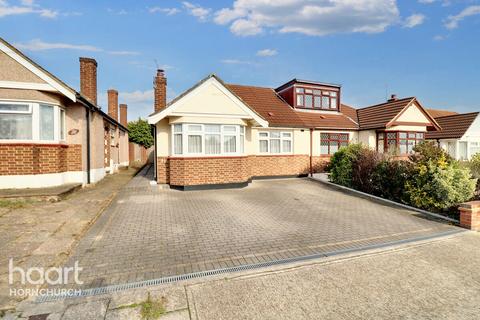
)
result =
(299, 100)
(177, 144)
(403, 146)
(410, 145)
(16, 126)
(263, 145)
(212, 128)
(420, 135)
(264, 134)
(62, 124)
(230, 144)
(392, 135)
(212, 144)
(462, 150)
(274, 134)
(317, 102)
(46, 122)
(14, 107)
(325, 102)
(242, 129)
(381, 145)
(392, 145)
(324, 136)
(275, 146)
(324, 144)
(308, 101)
(333, 94)
(230, 129)
(333, 147)
(333, 103)
(411, 135)
(299, 90)
(177, 128)
(286, 146)
(194, 144)
(242, 143)
(194, 127)
(403, 135)
(308, 90)
(317, 92)
(286, 134)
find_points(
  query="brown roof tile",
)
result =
(440, 113)
(453, 126)
(378, 116)
(349, 112)
(279, 113)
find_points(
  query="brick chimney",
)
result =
(393, 97)
(113, 103)
(160, 88)
(88, 79)
(123, 115)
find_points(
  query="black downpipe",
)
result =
(88, 143)
(155, 152)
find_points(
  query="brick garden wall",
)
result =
(25, 159)
(220, 170)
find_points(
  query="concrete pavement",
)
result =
(435, 279)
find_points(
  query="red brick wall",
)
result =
(220, 170)
(23, 159)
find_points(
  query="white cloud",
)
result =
(317, 18)
(453, 21)
(235, 61)
(197, 11)
(414, 20)
(25, 7)
(124, 53)
(267, 53)
(439, 38)
(39, 45)
(167, 11)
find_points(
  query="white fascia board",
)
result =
(42, 75)
(170, 110)
(26, 85)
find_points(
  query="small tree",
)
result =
(341, 164)
(140, 133)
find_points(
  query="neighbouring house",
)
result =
(223, 135)
(460, 134)
(50, 134)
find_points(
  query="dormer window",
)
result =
(316, 99)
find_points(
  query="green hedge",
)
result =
(429, 180)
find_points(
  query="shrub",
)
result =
(389, 179)
(474, 166)
(363, 167)
(438, 182)
(428, 150)
(140, 133)
(341, 162)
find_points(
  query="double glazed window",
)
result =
(331, 142)
(275, 142)
(208, 139)
(31, 122)
(400, 142)
(316, 99)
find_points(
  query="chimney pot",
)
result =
(160, 89)
(123, 115)
(393, 97)
(88, 79)
(113, 103)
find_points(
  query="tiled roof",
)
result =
(378, 116)
(279, 113)
(349, 112)
(453, 126)
(440, 113)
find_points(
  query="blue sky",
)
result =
(424, 48)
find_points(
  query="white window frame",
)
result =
(34, 110)
(185, 133)
(281, 138)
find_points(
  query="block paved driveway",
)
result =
(149, 233)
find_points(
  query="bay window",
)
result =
(25, 121)
(207, 139)
(275, 142)
(401, 142)
(330, 142)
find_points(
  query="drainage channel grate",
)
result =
(201, 274)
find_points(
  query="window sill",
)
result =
(32, 143)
